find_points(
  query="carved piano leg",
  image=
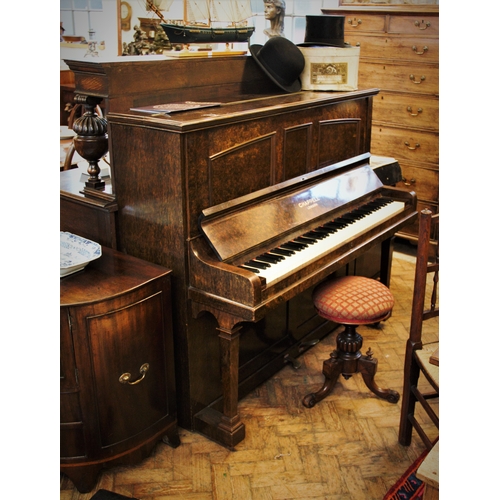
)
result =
(225, 428)
(230, 346)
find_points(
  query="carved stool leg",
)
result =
(347, 360)
(367, 366)
(332, 368)
(342, 361)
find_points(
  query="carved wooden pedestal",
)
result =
(348, 360)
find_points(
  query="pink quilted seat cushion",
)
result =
(354, 300)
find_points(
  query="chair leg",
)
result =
(411, 376)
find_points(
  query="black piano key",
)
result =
(326, 230)
(248, 268)
(338, 223)
(318, 235)
(360, 213)
(272, 259)
(258, 265)
(306, 241)
(292, 245)
(352, 216)
(282, 251)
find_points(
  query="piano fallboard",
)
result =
(236, 235)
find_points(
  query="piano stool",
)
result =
(351, 301)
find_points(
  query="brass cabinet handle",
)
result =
(352, 21)
(423, 51)
(412, 181)
(412, 78)
(410, 111)
(407, 144)
(125, 377)
(422, 25)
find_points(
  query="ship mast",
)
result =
(155, 9)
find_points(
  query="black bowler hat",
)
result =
(324, 30)
(281, 60)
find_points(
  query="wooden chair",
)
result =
(421, 358)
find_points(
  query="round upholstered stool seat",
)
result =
(353, 300)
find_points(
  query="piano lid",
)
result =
(240, 226)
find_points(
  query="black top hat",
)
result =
(281, 60)
(324, 30)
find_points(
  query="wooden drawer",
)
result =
(420, 78)
(414, 25)
(424, 181)
(360, 21)
(399, 48)
(405, 144)
(410, 110)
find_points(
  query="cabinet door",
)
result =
(129, 340)
(72, 440)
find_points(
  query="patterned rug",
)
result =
(408, 487)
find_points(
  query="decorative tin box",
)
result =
(330, 68)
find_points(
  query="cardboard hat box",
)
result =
(330, 68)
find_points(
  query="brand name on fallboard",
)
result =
(311, 202)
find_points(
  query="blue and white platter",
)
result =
(77, 252)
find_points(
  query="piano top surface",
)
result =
(235, 111)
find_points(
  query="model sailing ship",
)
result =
(211, 21)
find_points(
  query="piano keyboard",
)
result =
(286, 259)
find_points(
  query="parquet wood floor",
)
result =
(345, 448)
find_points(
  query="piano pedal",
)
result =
(294, 362)
(304, 345)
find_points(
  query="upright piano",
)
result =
(228, 198)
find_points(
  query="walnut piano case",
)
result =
(231, 332)
(400, 55)
(117, 365)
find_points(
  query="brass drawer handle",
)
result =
(412, 181)
(410, 111)
(352, 21)
(423, 51)
(423, 25)
(412, 78)
(407, 144)
(125, 377)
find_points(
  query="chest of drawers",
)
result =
(118, 394)
(399, 54)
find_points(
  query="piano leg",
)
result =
(386, 261)
(230, 350)
(225, 428)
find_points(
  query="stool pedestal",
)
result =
(348, 360)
